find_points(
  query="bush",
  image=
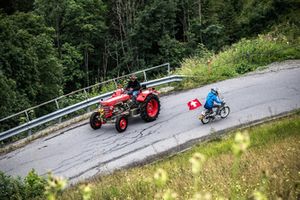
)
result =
(32, 187)
(11, 188)
(248, 55)
(245, 56)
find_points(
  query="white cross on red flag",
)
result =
(193, 104)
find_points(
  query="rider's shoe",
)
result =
(212, 114)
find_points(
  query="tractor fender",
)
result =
(143, 95)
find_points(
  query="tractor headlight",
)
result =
(101, 110)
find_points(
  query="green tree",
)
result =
(79, 29)
(71, 61)
(13, 6)
(53, 12)
(259, 16)
(28, 60)
(8, 95)
(86, 29)
(155, 21)
(119, 48)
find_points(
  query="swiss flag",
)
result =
(193, 104)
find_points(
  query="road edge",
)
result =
(190, 143)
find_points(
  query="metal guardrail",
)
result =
(84, 90)
(78, 106)
(30, 114)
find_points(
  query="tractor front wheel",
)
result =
(150, 108)
(121, 124)
(95, 120)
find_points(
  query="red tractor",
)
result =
(120, 106)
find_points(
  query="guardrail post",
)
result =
(85, 93)
(169, 70)
(86, 96)
(57, 106)
(145, 76)
(27, 117)
(114, 80)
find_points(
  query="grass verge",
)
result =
(271, 165)
(245, 56)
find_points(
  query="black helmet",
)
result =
(215, 90)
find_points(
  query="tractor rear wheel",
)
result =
(150, 108)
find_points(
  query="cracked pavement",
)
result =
(82, 152)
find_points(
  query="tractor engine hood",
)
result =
(116, 99)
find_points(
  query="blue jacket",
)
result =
(210, 99)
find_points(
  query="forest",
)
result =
(52, 47)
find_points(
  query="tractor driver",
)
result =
(133, 87)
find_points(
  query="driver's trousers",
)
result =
(134, 94)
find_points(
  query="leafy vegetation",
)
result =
(32, 187)
(30, 71)
(242, 57)
(48, 48)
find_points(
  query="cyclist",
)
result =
(213, 101)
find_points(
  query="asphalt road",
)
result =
(82, 152)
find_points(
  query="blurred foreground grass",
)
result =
(271, 164)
